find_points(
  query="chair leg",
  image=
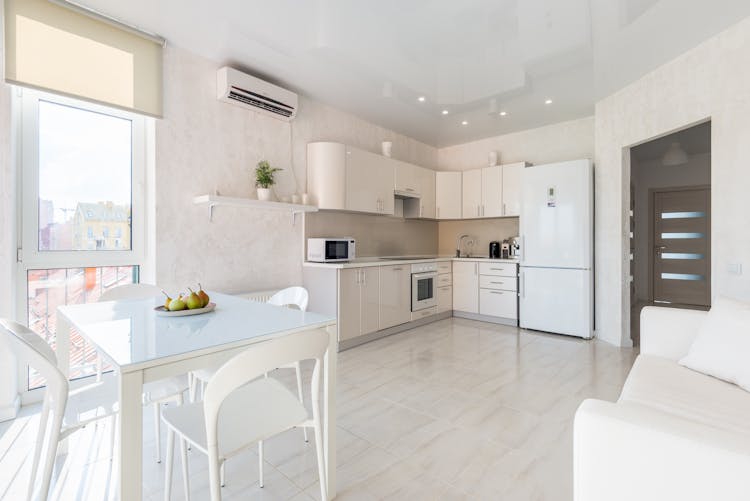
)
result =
(222, 478)
(319, 453)
(157, 430)
(49, 461)
(170, 465)
(113, 435)
(185, 476)
(298, 370)
(38, 448)
(193, 386)
(260, 464)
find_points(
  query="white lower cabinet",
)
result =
(466, 286)
(358, 301)
(498, 303)
(395, 295)
(445, 298)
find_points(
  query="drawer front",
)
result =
(445, 298)
(444, 267)
(498, 283)
(427, 312)
(498, 269)
(445, 279)
(496, 303)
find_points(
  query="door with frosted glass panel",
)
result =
(682, 243)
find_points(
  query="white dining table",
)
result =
(142, 347)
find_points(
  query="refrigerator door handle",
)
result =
(522, 250)
(523, 284)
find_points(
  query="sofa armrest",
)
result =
(626, 452)
(669, 332)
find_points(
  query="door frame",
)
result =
(651, 194)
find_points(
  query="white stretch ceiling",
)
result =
(473, 58)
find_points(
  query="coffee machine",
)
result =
(495, 251)
(515, 247)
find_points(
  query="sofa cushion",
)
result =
(665, 385)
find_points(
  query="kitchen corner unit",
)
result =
(486, 290)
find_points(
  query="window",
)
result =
(80, 164)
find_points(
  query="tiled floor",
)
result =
(454, 409)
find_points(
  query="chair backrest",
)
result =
(256, 361)
(29, 348)
(131, 291)
(296, 296)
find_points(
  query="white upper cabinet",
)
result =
(369, 182)
(492, 192)
(407, 177)
(341, 177)
(427, 187)
(471, 205)
(448, 195)
(412, 180)
(512, 188)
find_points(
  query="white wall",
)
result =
(652, 174)
(551, 143)
(203, 144)
(711, 80)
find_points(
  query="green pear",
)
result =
(177, 304)
(193, 300)
(169, 300)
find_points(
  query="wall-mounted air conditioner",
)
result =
(250, 92)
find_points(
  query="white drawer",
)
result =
(427, 312)
(497, 282)
(496, 303)
(445, 298)
(444, 279)
(499, 269)
(444, 267)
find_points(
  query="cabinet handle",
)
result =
(421, 210)
(476, 266)
(437, 209)
(495, 292)
(503, 208)
(397, 269)
(409, 189)
(498, 283)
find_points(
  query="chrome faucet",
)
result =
(458, 244)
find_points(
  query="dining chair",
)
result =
(240, 408)
(155, 393)
(67, 410)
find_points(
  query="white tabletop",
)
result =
(110, 326)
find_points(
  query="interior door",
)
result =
(681, 269)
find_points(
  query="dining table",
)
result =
(142, 345)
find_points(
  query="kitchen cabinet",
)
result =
(492, 192)
(426, 179)
(417, 181)
(444, 287)
(341, 177)
(406, 177)
(471, 193)
(448, 195)
(498, 303)
(498, 283)
(466, 286)
(358, 301)
(395, 295)
(512, 188)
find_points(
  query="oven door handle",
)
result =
(420, 276)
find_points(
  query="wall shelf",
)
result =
(219, 200)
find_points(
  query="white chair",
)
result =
(240, 408)
(67, 411)
(158, 392)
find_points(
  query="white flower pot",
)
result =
(264, 194)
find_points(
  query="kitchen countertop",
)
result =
(363, 262)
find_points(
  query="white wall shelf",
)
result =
(219, 200)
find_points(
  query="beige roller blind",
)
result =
(59, 49)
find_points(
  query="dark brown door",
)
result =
(681, 265)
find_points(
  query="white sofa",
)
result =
(674, 434)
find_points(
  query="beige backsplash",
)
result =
(375, 235)
(484, 231)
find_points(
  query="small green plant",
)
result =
(264, 174)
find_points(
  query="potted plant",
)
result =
(264, 179)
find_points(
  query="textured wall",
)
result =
(376, 235)
(711, 80)
(552, 143)
(483, 232)
(204, 145)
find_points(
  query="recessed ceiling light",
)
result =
(464, 123)
(548, 101)
(420, 99)
(445, 112)
(503, 113)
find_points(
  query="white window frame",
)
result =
(29, 256)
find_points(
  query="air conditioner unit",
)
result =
(253, 93)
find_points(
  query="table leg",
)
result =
(329, 411)
(130, 431)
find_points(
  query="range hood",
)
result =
(406, 194)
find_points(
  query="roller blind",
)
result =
(63, 50)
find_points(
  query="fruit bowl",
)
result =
(163, 312)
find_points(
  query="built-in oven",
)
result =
(423, 286)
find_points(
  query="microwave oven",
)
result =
(330, 250)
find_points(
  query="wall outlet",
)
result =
(735, 268)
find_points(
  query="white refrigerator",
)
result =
(556, 229)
